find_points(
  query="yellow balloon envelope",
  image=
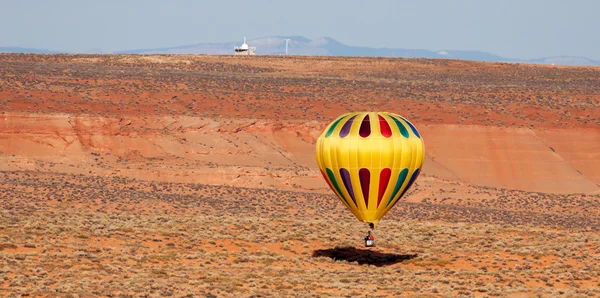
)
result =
(370, 160)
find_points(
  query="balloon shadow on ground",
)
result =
(362, 256)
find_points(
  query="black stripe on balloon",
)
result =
(365, 127)
(333, 126)
(414, 129)
(347, 126)
(412, 179)
(348, 184)
(365, 180)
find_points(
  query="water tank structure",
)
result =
(244, 49)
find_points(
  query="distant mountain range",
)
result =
(26, 50)
(326, 46)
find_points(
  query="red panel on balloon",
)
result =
(384, 180)
(385, 128)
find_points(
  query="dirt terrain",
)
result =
(177, 175)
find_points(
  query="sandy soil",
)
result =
(125, 175)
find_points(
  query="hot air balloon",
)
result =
(370, 160)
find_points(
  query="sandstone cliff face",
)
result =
(184, 149)
(280, 154)
(516, 158)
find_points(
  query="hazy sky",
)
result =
(510, 28)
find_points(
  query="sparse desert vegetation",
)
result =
(99, 236)
(194, 176)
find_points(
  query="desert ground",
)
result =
(195, 176)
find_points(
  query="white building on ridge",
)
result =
(244, 49)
